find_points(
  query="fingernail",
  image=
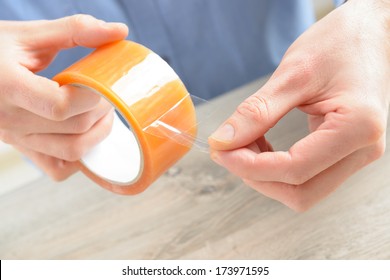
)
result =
(224, 134)
(110, 25)
(116, 24)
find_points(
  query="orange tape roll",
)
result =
(143, 88)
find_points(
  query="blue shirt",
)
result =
(213, 45)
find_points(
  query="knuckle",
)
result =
(75, 25)
(299, 71)
(254, 108)
(300, 207)
(60, 110)
(107, 126)
(297, 200)
(56, 175)
(297, 178)
(310, 62)
(374, 128)
(377, 151)
(7, 137)
(74, 152)
(82, 124)
(58, 172)
(57, 169)
(79, 21)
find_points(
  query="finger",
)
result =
(332, 141)
(57, 169)
(252, 119)
(254, 147)
(314, 122)
(22, 122)
(302, 197)
(76, 30)
(264, 145)
(47, 99)
(286, 89)
(261, 145)
(69, 147)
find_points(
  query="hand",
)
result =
(338, 74)
(52, 125)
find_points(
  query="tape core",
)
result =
(118, 158)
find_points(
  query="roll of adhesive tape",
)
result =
(143, 88)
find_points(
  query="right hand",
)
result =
(54, 126)
(337, 72)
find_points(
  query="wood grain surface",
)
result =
(198, 211)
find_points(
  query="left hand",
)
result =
(54, 126)
(338, 73)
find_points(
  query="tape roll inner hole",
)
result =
(118, 158)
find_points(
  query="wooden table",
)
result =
(198, 211)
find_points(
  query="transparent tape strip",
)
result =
(206, 115)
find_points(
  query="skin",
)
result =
(54, 126)
(337, 73)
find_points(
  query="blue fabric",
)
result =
(338, 2)
(214, 46)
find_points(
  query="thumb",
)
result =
(76, 30)
(254, 117)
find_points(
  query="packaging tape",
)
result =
(205, 111)
(160, 118)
